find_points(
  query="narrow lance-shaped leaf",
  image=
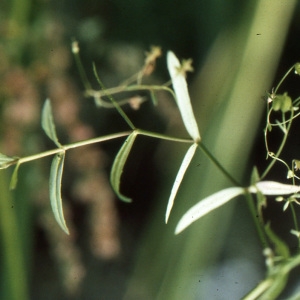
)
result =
(182, 95)
(207, 205)
(118, 165)
(184, 165)
(48, 123)
(281, 247)
(14, 178)
(273, 188)
(55, 190)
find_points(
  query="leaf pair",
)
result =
(184, 104)
(56, 167)
(186, 111)
(210, 203)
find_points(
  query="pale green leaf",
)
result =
(14, 178)
(182, 95)
(184, 165)
(254, 175)
(118, 165)
(6, 161)
(55, 190)
(48, 123)
(271, 188)
(281, 247)
(207, 205)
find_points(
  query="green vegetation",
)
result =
(198, 199)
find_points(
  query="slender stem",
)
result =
(70, 146)
(162, 136)
(292, 263)
(115, 103)
(97, 140)
(80, 67)
(40, 155)
(257, 220)
(217, 164)
(118, 135)
(124, 101)
(259, 290)
(94, 141)
(283, 78)
(120, 89)
(286, 121)
(248, 196)
(295, 220)
(131, 79)
(280, 147)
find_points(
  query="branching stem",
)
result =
(70, 146)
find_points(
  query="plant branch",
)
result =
(283, 78)
(280, 147)
(114, 102)
(295, 220)
(257, 220)
(217, 164)
(163, 136)
(120, 89)
(70, 146)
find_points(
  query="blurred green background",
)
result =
(125, 251)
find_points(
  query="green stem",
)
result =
(120, 89)
(248, 196)
(217, 164)
(97, 140)
(283, 78)
(162, 136)
(115, 103)
(70, 146)
(257, 221)
(292, 263)
(280, 148)
(295, 221)
(14, 276)
(80, 67)
(94, 141)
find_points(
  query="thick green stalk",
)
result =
(14, 271)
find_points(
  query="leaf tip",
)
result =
(167, 217)
(124, 198)
(178, 229)
(66, 230)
